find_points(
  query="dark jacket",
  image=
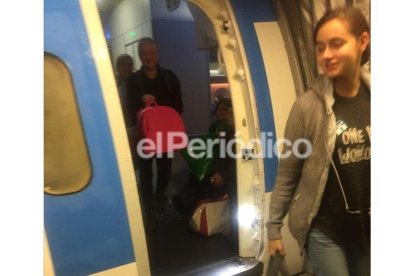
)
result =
(165, 88)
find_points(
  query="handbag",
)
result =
(163, 126)
(211, 217)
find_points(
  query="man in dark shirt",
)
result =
(152, 83)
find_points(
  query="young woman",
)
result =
(327, 194)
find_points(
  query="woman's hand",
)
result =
(276, 246)
(216, 180)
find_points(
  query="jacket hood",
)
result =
(323, 87)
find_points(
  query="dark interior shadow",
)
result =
(174, 249)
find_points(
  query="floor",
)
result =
(174, 249)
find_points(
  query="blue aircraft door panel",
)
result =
(87, 231)
(260, 11)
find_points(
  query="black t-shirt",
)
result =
(352, 159)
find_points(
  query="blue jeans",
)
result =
(327, 258)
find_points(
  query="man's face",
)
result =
(148, 54)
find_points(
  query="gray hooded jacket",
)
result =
(300, 183)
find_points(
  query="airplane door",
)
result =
(92, 215)
(262, 91)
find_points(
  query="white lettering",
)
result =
(176, 140)
(146, 148)
(196, 145)
(308, 148)
(280, 147)
(354, 154)
(353, 136)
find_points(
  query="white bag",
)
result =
(211, 217)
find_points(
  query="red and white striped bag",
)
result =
(211, 217)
